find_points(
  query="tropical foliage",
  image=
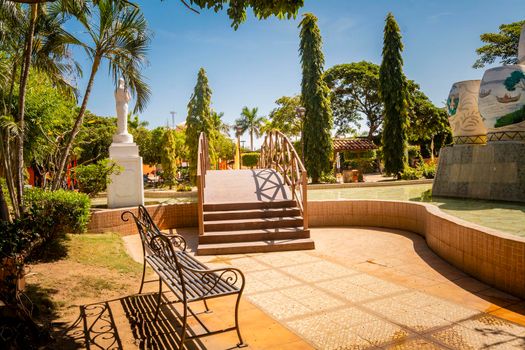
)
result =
(392, 87)
(502, 46)
(355, 94)
(284, 117)
(315, 99)
(251, 122)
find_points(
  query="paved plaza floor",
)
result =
(365, 288)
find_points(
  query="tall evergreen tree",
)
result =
(198, 119)
(392, 86)
(169, 158)
(315, 99)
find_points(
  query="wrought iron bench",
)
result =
(189, 279)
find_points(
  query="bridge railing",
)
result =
(278, 153)
(203, 164)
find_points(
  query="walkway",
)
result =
(258, 185)
(367, 288)
(375, 288)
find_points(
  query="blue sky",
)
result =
(259, 62)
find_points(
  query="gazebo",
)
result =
(356, 146)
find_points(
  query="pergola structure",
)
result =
(354, 145)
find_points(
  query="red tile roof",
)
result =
(357, 144)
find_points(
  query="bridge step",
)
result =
(255, 247)
(252, 224)
(286, 233)
(285, 203)
(251, 214)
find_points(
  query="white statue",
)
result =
(122, 97)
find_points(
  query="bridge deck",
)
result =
(243, 186)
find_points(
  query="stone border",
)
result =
(369, 184)
(493, 257)
(165, 215)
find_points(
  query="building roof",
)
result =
(356, 144)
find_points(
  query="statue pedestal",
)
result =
(127, 188)
(495, 171)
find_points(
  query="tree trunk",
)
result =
(4, 212)
(11, 88)
(19, 178)
(57, 180)
(251, 139)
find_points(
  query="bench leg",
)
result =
(206, 306)
(241, 342)
(143, 276)
(158, 300)
(184, 324)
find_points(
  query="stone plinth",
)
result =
(127, 188)
(495, 171)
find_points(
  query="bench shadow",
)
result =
(96, 328)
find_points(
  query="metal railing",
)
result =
(203, 164)
(278, 153)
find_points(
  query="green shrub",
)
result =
(17, 237)
(328, 178)
(428, 170)
(57, 212)
(414, 152)
(411, 173)
(364, 165)
(183, 188)
(94, 178)
(250, 159)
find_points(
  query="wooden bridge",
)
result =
(258, 210)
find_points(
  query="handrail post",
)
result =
(305, 199)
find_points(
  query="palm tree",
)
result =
(39, 27)
(249, 121)
(217, 123)
(119, 34)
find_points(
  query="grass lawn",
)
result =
(79, 270)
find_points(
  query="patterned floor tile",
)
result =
(412, 344)
(380, 332)
(450, 311)
(278, 305)
(459, 337)
(414, 319)
(272, 279)
(344, 288)
(351, 316)
(385, 288)
(318, 271)
(416, 299)
(493, 325)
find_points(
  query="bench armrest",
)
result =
(176, 240)
(211, 277)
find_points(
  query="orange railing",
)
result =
(203, 164)
(278, 153)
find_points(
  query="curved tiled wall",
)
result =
(491, 256)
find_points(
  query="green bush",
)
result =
(411, 173)
(17, 237)
(57, 212)
(250, 159)
(413, 151)
(428, 170)
(364, 165)
(328, 178)
(183, 188)
(94, 178)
